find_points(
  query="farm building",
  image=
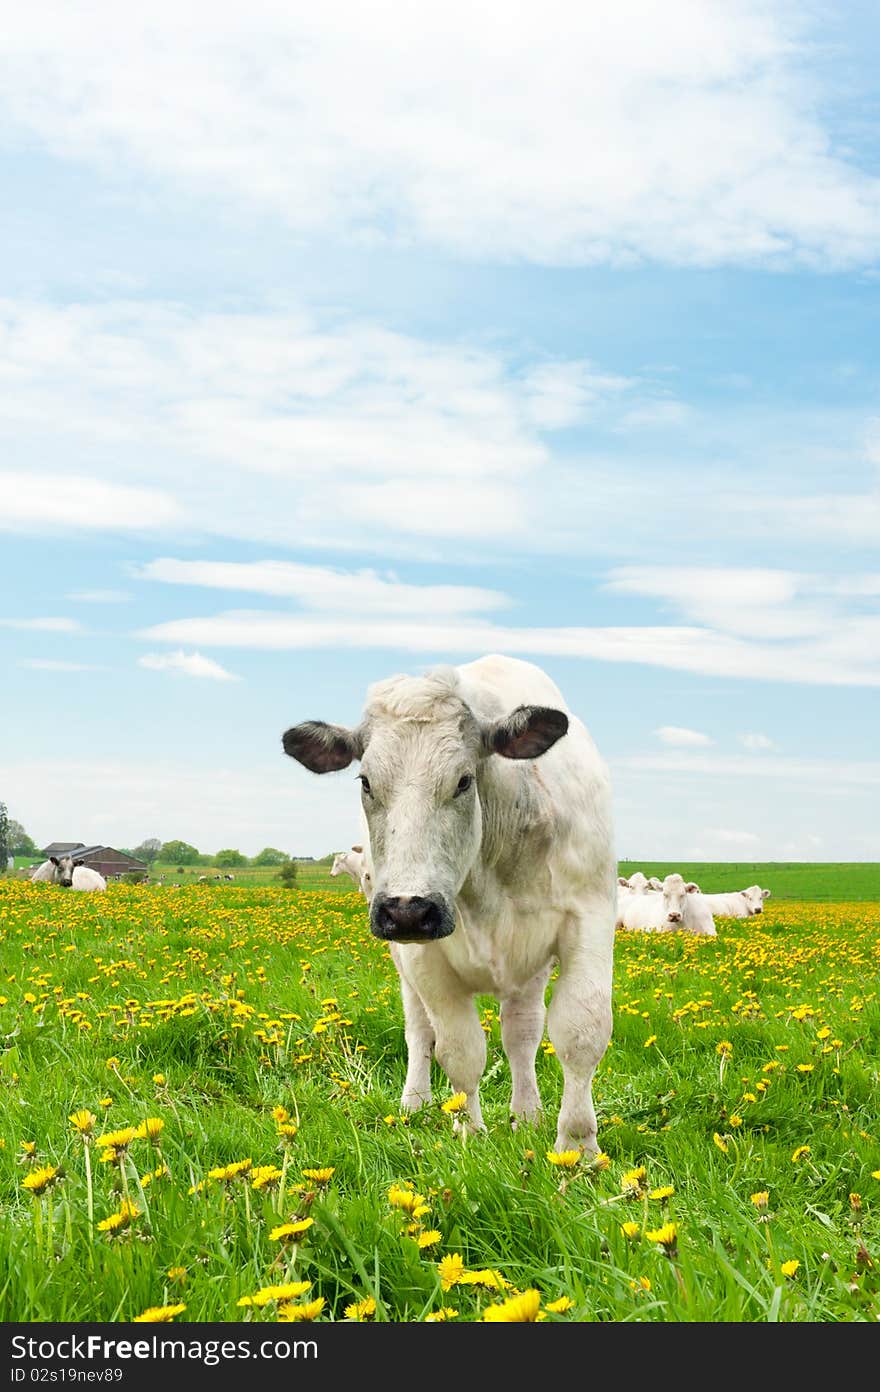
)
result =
(108, 862)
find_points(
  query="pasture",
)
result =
(246, 1045)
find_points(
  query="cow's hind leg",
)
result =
(579, 1022)
(522, 1025)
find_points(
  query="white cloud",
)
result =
(687, 133)
(49, 625)
(191, 664)
(852, 660)
(756, 742)
(563, 394)
(52, 502)
(680, 737)
(323, 588)
(762, 769)
(51, 664)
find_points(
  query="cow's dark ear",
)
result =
(78, 864)
(527, 733)
(765, 894)
(692, 888)
(622, 880)
(359, 849)
(53, 860)
(320, 747)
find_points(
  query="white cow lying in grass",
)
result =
(354, 864)
(488, 811)
(679, 907)
(742, 903)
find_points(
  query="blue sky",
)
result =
(330, 349)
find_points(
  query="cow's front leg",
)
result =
(522, 1025)
(579, 1021)
(460, 1044)
(419, 1034)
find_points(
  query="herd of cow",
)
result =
(487, 858)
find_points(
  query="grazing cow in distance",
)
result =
(679, 907)
(354, 864)
(742, 903)
(488, 818)
(84, 877)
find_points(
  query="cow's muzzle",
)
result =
(410, 918)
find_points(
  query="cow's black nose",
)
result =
(410, 918)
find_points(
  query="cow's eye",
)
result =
(463, 784)
(365, 784)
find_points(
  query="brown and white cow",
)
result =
(487, 817)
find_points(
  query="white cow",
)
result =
(490, 843)
(354, 864)
(742, 903)
(84, 877)
(679, 907)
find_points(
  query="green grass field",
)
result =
(740, 1171)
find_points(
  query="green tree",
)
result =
(148, 850)
(230, 858)
(4, 838)
(18, 841)
(179, 853)
(270, 856)
(287, 874)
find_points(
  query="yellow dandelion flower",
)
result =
(456, 1103)
(824, 1032)
(446, 1312)
(177, 1274)
(761, 1198)
(630, 1230)
(565, 1158)
(429, 1239)
(451, 1269)
(720, 1142)
(106, 1102)
(264, 1176)
(642, 1284)
(280, 1113)
(288, 1232)
(292, 1291)
(118, 1140)
(520, 1309)
(735, 1120)
(600, 1161)
(159, 1314)
(295, 1314)
(651, 1039)
(83, 1121)
(114, 1224)
(488, 1277)
(320, 1176)
(224, 1173)
(805, 1068)
(408, 1200)
(665, 1236)
(560, 1306)
(789, 1268)
(632, 1182)
(42, 1178)
(361, 1310)
(875, 1174)
(151, 1129)
(724, 1048)
(855, 1202)
(159, 1079)
(799, 1153)
(287, 1131)
(666, 1191)
(29, 1147)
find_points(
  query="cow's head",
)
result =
(754, 897)
(64, 868)
(675, 893)
(423, 753)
